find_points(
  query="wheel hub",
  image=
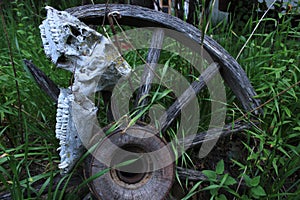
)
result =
(132, 175)
(126, 174)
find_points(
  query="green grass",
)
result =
(270, 151)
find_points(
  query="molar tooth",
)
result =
(64, 127)
(65, 116)
(55, 35)
(59, 112)
(58, 132)
(65, 120)
(63, 165)
(59, 137)
(63, 138)
(63, 106)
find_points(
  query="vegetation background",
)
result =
(270, 57)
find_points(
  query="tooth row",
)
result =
(62, 118)
(71, 147)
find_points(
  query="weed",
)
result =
(268, 165)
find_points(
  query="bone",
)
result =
(97, 65)
(71, 147)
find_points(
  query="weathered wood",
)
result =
(43, 81)
(183, 173)
(143, 3)
(196, 140)
(195, 175)
(190, 174)
(150, 66)
(5, 196)
(174, 110)
(143, 179)
(233, 74)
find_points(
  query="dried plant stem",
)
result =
(15, 75)
(260, 20)
(274, 97)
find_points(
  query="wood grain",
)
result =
(231, 71)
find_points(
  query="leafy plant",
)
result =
(218, 180)
(256, 190)
(269, 163)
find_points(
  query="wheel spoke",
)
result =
(44, 82)
(195, 140)
(232, 72)
(174, 110)
(193, 175)
(151, 62)
(190, 174)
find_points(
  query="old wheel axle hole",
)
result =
(131, 168)
(125, 173)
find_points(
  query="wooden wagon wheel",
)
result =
(150, 181)
(123, 185)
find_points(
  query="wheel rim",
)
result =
(233, 74)
(237, 81)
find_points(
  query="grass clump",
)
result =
(269, 163)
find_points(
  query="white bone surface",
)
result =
(74, 46)
(96, 64)
(71, 147)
